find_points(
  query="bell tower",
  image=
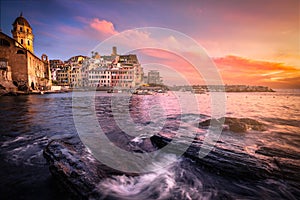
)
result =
(22, 32)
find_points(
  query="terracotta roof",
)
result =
(21, 21)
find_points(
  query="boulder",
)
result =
(236, 125)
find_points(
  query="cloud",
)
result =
(239, 70)
(176, 63)
(234, 70)
(103, 26)
(245, 64)
(95, 28)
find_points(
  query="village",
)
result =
(22, 72)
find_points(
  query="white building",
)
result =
(112, 71)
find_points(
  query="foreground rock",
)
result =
(236, 125)
(76, 169)
(238, 163)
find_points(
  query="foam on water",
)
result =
(154, 185)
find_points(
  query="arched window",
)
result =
(21, 29)
(21, 41)
(20, 52)
(28, 42)
(4, 42)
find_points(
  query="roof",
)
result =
(21, 21)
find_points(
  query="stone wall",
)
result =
(27, 70)
(16, 58)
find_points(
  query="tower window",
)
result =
(28, 42)
(21, 41)
(21, 29)
(27, 30)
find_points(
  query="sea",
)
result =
(29, 123)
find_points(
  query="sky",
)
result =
(251, 42)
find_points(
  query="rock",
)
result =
(76, 169)
(225, 162)
(7, 87)
(235, 124)
(287, 160)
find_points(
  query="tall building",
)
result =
(114, 51)
(154, 77)
(28, 72)
(22, 32)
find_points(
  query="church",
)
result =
(18, 63)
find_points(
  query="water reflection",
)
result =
(28, 123)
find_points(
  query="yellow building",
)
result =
(22, 32)
(28, 71)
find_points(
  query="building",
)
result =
(153, 77)
(63, 75)
(114, 51)
(28, 72)
(55, 65)
(67, 73)
(123, 71)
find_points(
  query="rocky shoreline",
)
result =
(80, 173)
(7, 88)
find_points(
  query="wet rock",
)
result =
(287, 160)
(236, 125)
(276, 152)
(7, 88)
(76, 169)
(224, 161)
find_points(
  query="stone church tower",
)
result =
(22, 32)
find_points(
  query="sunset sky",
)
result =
(253, 42)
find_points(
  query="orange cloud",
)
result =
(233, 69)
(239, 70)
(250, 64)
(175, 62)
(103, 26)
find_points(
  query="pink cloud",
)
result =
(90, 29)
(103, 26)
(174, 61)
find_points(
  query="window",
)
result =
(21, 29)
(21, 41)
(20, 52)
(4, 42)
(28, 42)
